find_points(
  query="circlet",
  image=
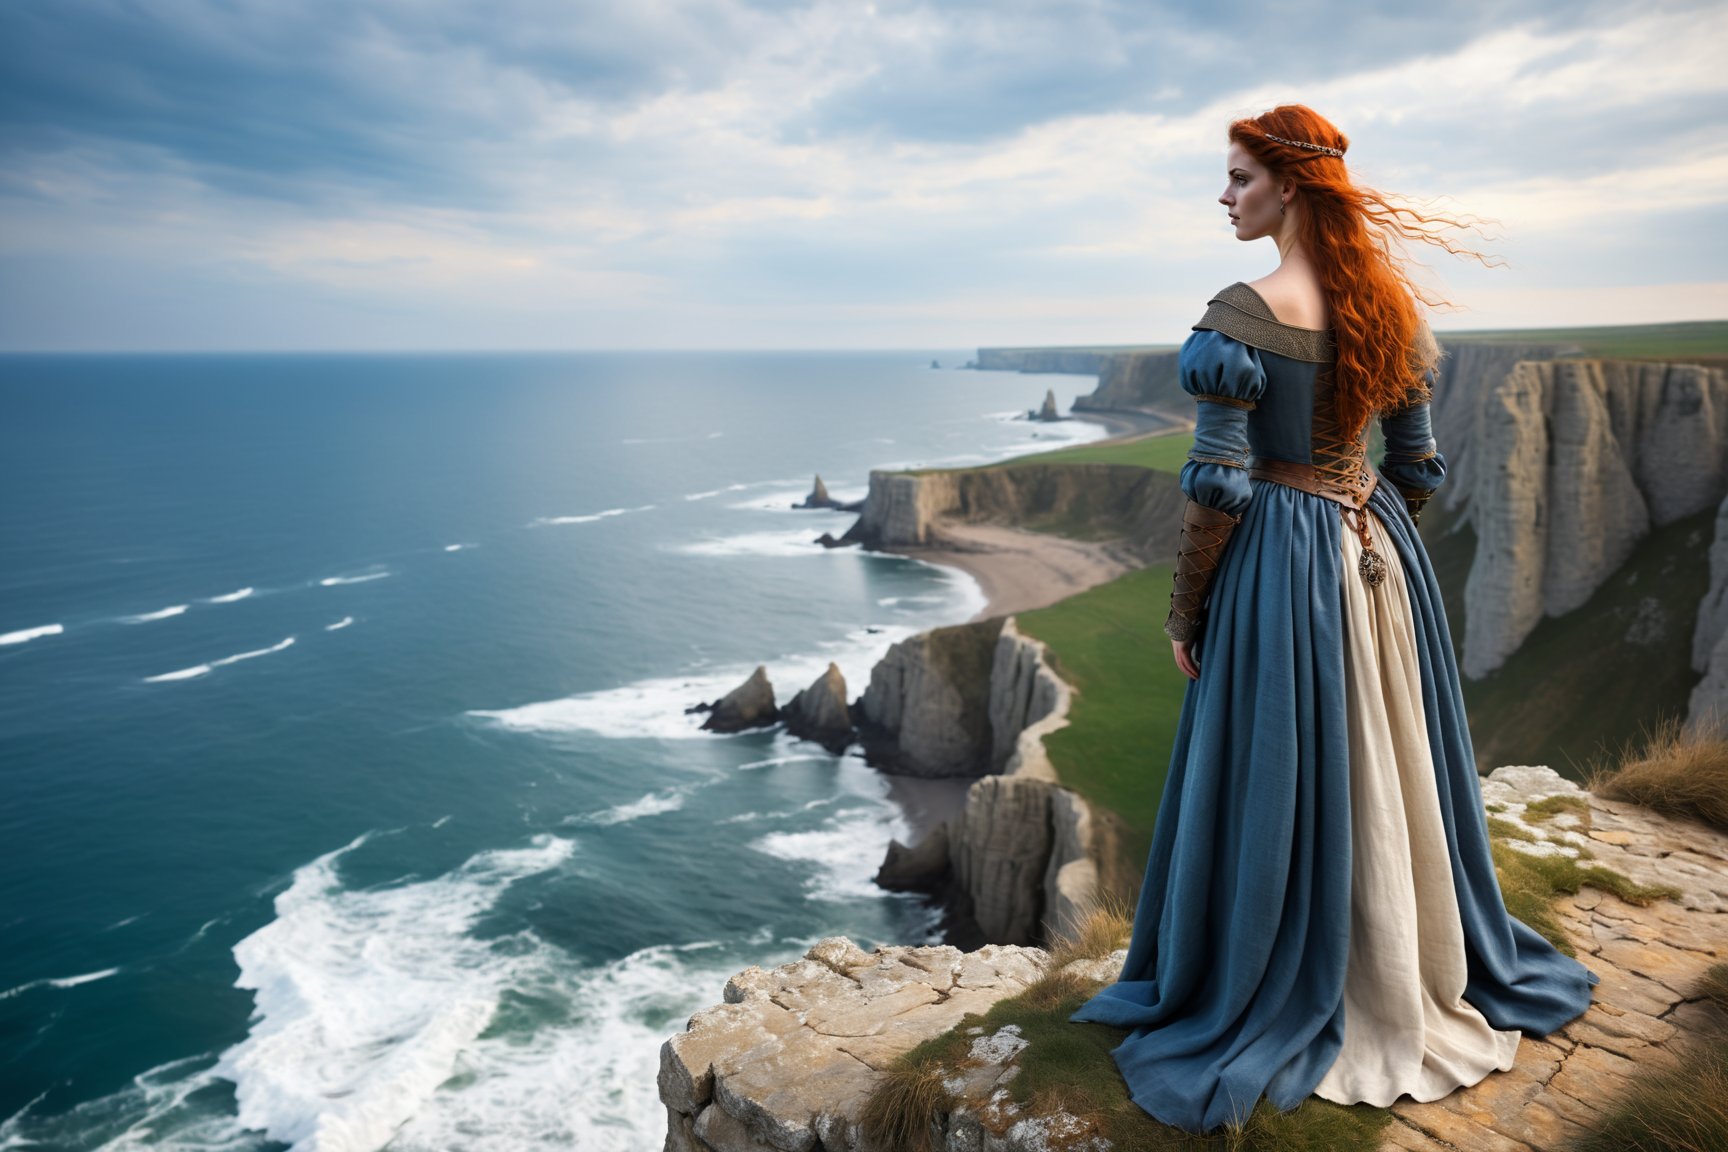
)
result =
(1305, 144)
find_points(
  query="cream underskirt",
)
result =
(1407, 1027)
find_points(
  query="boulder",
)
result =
(920, 868)
(819, 712)
(750, 705)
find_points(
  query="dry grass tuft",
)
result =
(1680, 1110)
(898, 1112)
(1676, 772)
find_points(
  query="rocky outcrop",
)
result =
(1708, 707)
(819, 498)
(1047, 411)
(1138, 382)
(750, 705)
(819, 712)
(1141, 507)
(1062, 361)
(1021, 853)
(788, 1059)
(1573, 462)
(1469, 373)
(926, 711)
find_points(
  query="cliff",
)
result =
(1572, 463)
(1139, 506)
(1067, 361)
(1709, 703)
(978, 699)
(789, 1058)
(1138, 382)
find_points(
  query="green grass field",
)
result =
(1706, 339)
(1109, 643)
(1164, 453)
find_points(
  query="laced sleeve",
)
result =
(1226, 378)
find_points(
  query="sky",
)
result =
(530, 174)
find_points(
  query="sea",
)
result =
(349, 798)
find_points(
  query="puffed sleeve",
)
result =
(1413, 459)
(1226, 377)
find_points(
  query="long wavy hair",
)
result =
(1354, 235)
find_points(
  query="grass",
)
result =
(1556, 700)
(1679, 1110)
(1067, 1067)
(1676, 772)
(1109, 643)
(1689, 341)
(1162, 452)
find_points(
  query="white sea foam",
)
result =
(776, 761)
(162, 614)
(459, 547)
(339, 625)
(440, 822)
(796, 542)
(650, 804)
(230, 597)
(361, 578)
(123, 923)
(26, 634)
(366, 999)
(549, 521)
(205, 669)
(845, 851)
(785, 499)
(59, 982)
(383, 1020)
(716, 492)
(173, 1107)
(655, 707)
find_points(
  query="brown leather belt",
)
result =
(1307, 478)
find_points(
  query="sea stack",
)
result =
(750, 705)
(1048, 412)
(819, 712)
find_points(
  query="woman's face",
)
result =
(1251, 195)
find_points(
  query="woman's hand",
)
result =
(1185, 658)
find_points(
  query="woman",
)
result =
(1320, 912)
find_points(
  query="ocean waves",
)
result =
(198, 670)
(365, 999)
(161, 614)
(25, 635)
(58, 982)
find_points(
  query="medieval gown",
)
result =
(1320, 913)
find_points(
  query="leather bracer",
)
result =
(1414, 498)
(1205, 532)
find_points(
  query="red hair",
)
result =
(1351, 233)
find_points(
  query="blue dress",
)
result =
(1275, 814)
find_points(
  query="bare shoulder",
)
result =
(1294, 299)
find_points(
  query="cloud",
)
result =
(763, 174)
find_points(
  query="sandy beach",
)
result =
(1019, 570)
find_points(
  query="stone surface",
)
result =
(819, 712)
(1572, 463)
(750, 705)
(1708, 708)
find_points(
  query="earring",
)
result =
(1281, 205)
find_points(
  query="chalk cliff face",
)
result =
(1137, 381)
(1572, 464)
(927, 709)
(1143, 507)
(1069, 361)
(1469, 374)
(1020, 855)
(1709, 703)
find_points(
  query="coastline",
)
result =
(1017, 570)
